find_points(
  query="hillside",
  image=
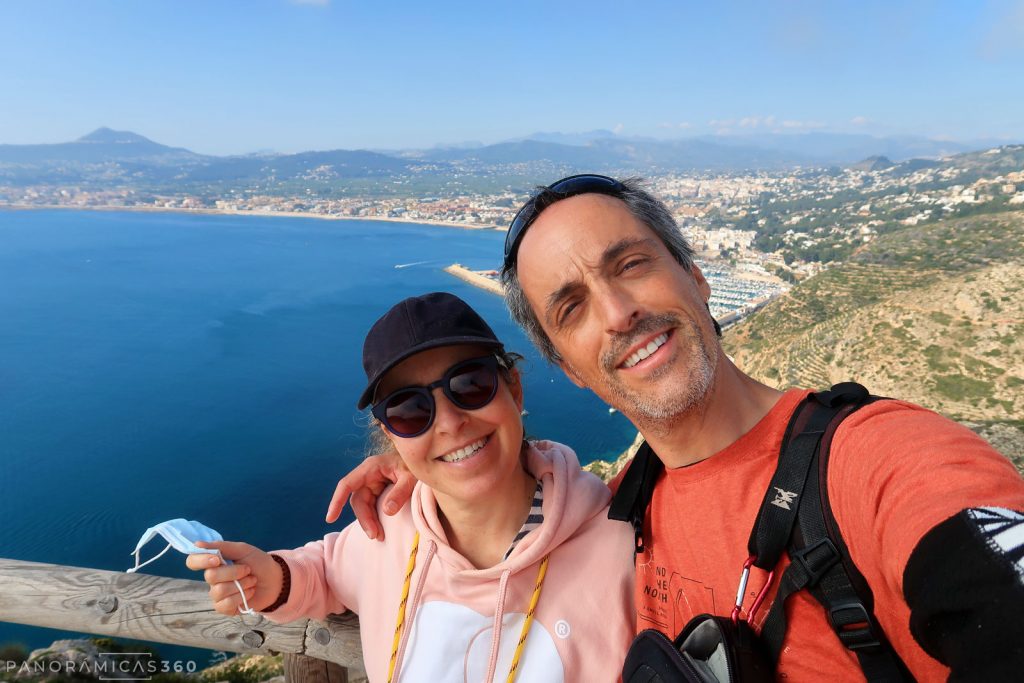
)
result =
(933, 314)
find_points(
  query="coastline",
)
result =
(254, 212)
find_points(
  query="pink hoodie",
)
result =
(462, 623)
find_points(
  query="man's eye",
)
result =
(633, 263)
(567, 311)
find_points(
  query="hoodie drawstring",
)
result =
(499, 612)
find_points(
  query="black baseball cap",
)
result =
(417, 324)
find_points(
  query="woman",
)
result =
(511, 567)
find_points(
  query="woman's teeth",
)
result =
(465, 452)
(646, 351)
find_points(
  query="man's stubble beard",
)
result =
(689, 393)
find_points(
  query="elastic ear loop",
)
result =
(248, 610)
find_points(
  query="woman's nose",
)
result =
(448, 417)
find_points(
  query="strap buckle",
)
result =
(853, 625)
(815, 560)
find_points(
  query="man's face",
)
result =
(627, 319)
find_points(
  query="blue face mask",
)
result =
(182, 535)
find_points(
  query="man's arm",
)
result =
(907, 488)
(963, 586)
(364, 484)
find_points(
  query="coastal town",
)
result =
(755, 233)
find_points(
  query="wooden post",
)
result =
(159, 609)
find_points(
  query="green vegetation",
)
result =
(927, 312)
(961, 387)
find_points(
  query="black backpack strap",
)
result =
(629, 504)
(819, 559)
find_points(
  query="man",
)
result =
(599, 276)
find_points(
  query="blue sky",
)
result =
(235, 77)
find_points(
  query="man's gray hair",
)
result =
(647, 208)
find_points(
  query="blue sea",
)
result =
(155, 366)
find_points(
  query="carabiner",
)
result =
(741, 592)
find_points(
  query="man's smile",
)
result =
(644, 351)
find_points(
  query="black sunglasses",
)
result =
(566, 187)
(409, 411)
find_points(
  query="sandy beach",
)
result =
(256, 212)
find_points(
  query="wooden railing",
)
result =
(162, 610)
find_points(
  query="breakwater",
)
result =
(484, 279)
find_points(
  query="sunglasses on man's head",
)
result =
(566, 187)
(409, 411)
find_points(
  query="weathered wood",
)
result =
(303, 669)
(336, 641)
(159, 609)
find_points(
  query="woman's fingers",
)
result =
(226, 589)
(200, 561)
(229, 605)
(232, 550)
(231, 572)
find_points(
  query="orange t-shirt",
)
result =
(896, 470)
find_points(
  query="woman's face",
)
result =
(466, 454)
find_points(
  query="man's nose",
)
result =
(618, 308)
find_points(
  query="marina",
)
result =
(733, 296)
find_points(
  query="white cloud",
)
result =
(618, 128)
(860, 120)
(801, 125)
(757, 122)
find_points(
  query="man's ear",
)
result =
(702, 284)
(571, 374)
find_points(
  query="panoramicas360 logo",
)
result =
(105, 666)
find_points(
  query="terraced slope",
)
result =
(933, 314)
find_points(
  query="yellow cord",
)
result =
(522, 634)
(529, 619)
(401, 605)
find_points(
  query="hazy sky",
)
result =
(233, 77)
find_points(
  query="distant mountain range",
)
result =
(103, 144)
(106, 157)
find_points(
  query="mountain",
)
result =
(933, 314)
(101, 145)
(844, 148)
(107, 158)
(613, 154)
(875, 163)
(571, 138)
(335, 164)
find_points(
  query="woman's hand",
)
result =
(257, 572)
(363, 485)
